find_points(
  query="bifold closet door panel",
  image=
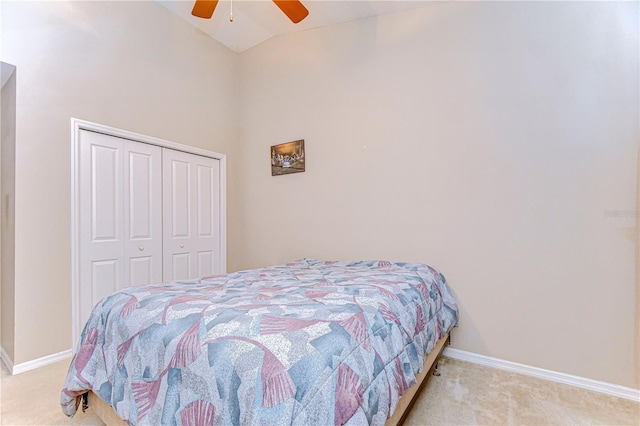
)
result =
(191, 210)
(120, 216)
(143, 213)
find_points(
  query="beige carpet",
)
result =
(471, 394)
(464, 394)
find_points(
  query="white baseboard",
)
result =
(554, 376)
(31, 365)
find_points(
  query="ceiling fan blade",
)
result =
(204, 8)
(293, 9)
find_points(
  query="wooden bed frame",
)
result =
(110, 418)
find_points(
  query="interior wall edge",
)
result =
(637, 317)
(8, 77)
(6, 359)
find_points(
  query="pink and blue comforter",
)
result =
(310, 342)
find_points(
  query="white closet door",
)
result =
(143, 213)
(191, 209)
(120, 216)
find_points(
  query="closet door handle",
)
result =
(181, 245)
(141, 248)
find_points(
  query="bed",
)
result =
(309, 342)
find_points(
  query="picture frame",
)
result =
(287, 158)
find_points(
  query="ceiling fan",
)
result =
(292, 8)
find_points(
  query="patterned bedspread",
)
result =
(310, 342)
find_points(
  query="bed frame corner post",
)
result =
(85, 401)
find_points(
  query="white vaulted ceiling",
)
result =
(258, 20)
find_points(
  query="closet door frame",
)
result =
(77, 126)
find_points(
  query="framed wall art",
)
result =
(287, 158)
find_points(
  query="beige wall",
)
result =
(7, 197)
(131, 65)
(497, 141)
(489, 139)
